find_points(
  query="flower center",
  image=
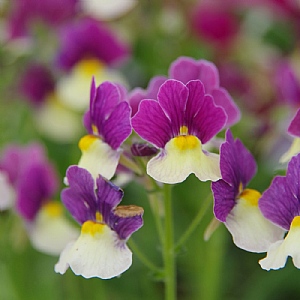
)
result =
(296, 222)
(53, 209)
(185, 141)
(92, 228)
(86, 142)
(251, 196)
(90, 66)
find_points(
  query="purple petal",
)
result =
(79, 198)
(106, 98)
(117, 127)
(88, 38)
(294, 128)
(142, 149)
(186, 69)
(35, 187)
(277, 203)
(223, 99)
(224, 199)
(172, 97)
(209, 119)
(236, 162)
(152, 124)
(108, 197)
(124, 227)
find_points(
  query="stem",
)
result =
(194, 223)
(169, 254)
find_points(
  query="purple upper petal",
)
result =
(172, 97)
(280, 203)
(88, 38)
(36, 185)
(117, 127)
(79, 198)
(237, 167)
(151, 123)
(294, 128)
(126, 226)
(108, 197)
(208, 119)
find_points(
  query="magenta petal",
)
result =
(223, 99)
(108, 197)
(294, 128)
(209, 119)
(79, 198)
(172, 97)
(151, 123)
(35, 187)
(117, 127)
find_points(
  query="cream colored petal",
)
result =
(105, 9)
(249, 229)
(51, 232)
(99, 158)
(279, 251)
(7, 193)
(100, 255)
(293, 150)
(181, 157)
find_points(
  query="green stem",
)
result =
(169, 254)
(142, 257)
(194, 223)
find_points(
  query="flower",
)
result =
(179, 123)
(280, 204)
(101, 249)
(108, 124)
(186, 69)
(237, 206)
(87, 48)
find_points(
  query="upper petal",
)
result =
(294, 127)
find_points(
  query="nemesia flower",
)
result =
(87, 49)
(186, 69)
(179, 122)
(108, 124)
(280, 204)
(101, 249)
(105, 9)
(49, 231)
(235, 205)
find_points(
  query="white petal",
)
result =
(99, 158)
(74, 88)
(50, 233)
(101, 255)
(279, 251)
(105, 9)
(294, 150)
(174, 164)
(7, 193)
(249, 229)
(57, 122)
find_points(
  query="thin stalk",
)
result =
(194, 223)
(169, 254)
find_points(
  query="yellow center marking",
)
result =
(184, 130)
(251, 196)
(86, 142)
(92, 228)
(296, 222)
(185, 141)
(95, 129)
(99, 217)
(53, 209)
(90, 67)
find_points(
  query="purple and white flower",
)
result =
(101, 249)
(280, 204)
(108, 124)
(179, 122)
(237, 206)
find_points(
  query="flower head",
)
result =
(280, 204)
(101, 249)
(108, 124)
(179, 123)
(237, 206)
